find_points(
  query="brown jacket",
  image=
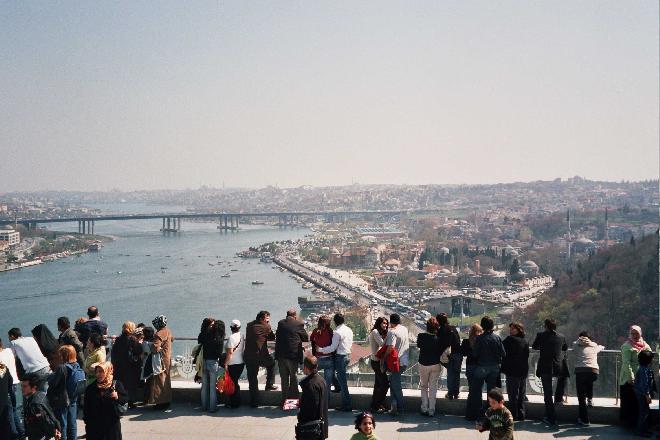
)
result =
(256, 335)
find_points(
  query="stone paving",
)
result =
(186, 421)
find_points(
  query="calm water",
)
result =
(187, 291)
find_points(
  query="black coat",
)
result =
(466, 350)
(127, 364)
(101, 419)
(6, 411)
(552, 347)
(448, 337)
(289, 338)
(314, 401)
(516, 361)
(40, 422)
(58, 396)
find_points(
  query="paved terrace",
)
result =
(184, 420)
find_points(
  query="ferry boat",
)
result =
(257, 283)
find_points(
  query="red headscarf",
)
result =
(639, 344)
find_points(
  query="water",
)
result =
(188, 290)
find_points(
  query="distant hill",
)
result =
(604, 294)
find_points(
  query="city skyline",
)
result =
(136, 97)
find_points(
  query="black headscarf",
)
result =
(45, 340)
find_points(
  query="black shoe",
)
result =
(344, 409)
(271, 388)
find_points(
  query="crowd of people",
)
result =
(45, 380)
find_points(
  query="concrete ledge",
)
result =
(361, 398)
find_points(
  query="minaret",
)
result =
(568, 219)
(607, 230)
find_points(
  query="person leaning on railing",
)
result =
(586, 373)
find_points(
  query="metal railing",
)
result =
(361, 375)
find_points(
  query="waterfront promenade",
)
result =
(184, 420)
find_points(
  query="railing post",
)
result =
(616, 379)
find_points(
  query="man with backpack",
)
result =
(65, 386)
(40, 422)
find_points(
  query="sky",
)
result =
(157, 94)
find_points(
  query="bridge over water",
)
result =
(228, 221)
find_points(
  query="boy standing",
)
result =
(644, 390)
(498, 420)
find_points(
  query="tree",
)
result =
(515, 267)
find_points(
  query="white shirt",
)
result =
(7, 358)
(398, 337)
(375, 342)
(342, 341)
(233, 341)
(28, 352)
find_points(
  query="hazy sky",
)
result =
(141, 95)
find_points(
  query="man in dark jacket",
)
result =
(489, 352)
(69, 337)
(255, 354)
(93, 325)
(313, 400)
(40, 422)
(516, 366)
(552, 347)
(289, 352)
(449, 338)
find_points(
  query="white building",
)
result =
(9, 236)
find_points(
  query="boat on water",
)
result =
(307, 286)
(257, 283)
(225, 275)
(234, 270)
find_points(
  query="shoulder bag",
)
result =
(310, 430)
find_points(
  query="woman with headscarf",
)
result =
(629, 365)
(102, 420)
(47, 343)
(160, 386)
(474, 402)
(127, 362)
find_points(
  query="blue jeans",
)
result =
(396, 390)
(327, 364)
(341, 362)
(67, 418)
(454, 374)
(17, 403)
(209, 394)
(43, 378)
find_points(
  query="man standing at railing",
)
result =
(397, 338)
(552, 347)
(256, 355)
(289, 352)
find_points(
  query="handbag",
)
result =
(229, 388)
(309, 430)
(220, 384)
(120, 408)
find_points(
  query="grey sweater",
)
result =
(586, 354)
